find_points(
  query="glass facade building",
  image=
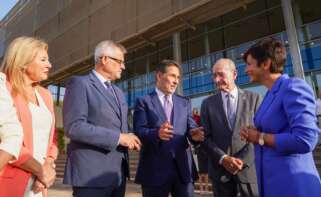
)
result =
(229, 35)
(200, 44)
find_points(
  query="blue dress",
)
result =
(288, 169)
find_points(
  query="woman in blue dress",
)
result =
(285, 131)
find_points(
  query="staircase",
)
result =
(133, 158)
(60, 167)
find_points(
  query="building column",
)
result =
(207, 48)
(58, 95)
(177, 55)
(206, 41)
(293, 38)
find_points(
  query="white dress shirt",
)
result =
(101, 78)
(11, 133)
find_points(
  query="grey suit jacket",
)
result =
(219, 136)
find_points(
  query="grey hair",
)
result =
(227, 61)
(107, 47)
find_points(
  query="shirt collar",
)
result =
(100, 77)
(233, 93)
(161, 95)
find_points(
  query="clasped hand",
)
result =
(46, 177)
(232, 164)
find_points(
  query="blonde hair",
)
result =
(21, 52)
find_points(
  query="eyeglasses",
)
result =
(121, 62)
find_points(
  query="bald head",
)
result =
(224, 74)
(225, 62)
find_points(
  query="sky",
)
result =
(5, 6)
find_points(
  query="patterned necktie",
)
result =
(229, 110)
(168, 107)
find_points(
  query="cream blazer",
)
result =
(11, 134)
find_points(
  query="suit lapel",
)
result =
(239, 108)
(158, 106)
(99, 86)
(269, 98)
(176, 107)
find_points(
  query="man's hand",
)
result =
(37, 187)
(232, 164)
(197, 134)
(166, 131)
(130, 141)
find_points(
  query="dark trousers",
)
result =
(231, 189)
(174, 186)
(118, 191)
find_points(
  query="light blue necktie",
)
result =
(168, 108)
(229, 111)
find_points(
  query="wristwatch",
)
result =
(261, 139)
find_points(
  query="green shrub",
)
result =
(61, 140)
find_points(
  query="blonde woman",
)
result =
(10, 129)
(25, 64)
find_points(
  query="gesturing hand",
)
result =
(197, 134)
(166, 131)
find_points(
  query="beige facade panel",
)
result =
(70, 46)
(127, 27)
(46, 10)
(99, 27)
(23, 25)
(75, 12)
(179, 5)
(98, 4)
(151, 12)
(50, 30)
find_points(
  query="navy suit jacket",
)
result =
(157, 156)
(93, 123)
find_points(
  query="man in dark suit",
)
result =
(163, 122)
(231, 160)
(95, 120)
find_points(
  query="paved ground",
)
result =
(60, 190)
(133, 190)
